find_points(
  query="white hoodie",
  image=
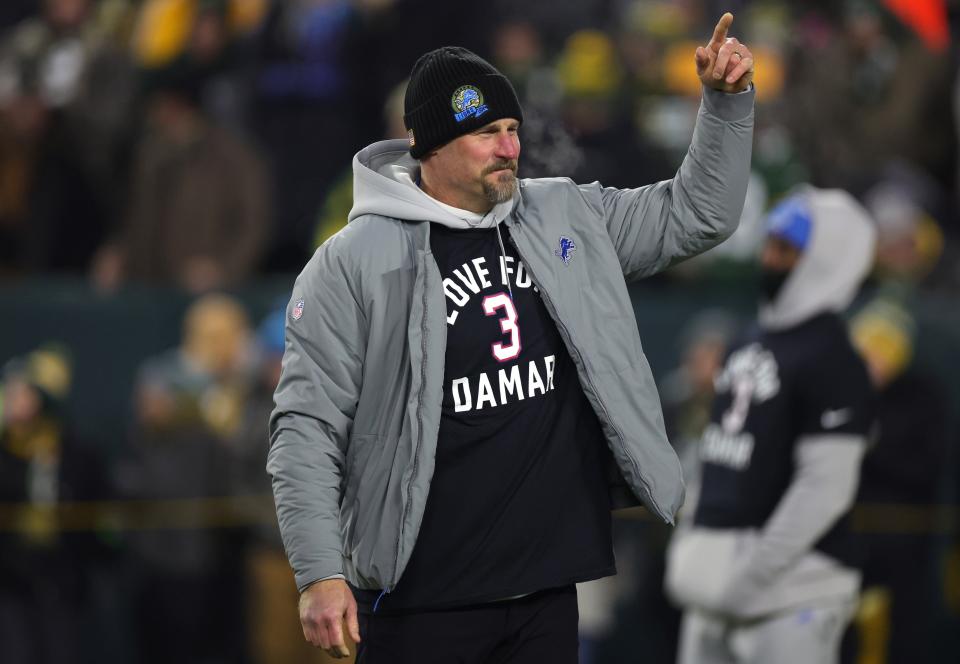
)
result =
(745, 574)
(386, 170)
(837, 258)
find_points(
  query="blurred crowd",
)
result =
(178, 527)
(201, 145)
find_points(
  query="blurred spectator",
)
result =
(556, 19)
(548, 148)
(307, 112)
(646, 31)
(169, 29)
(274, 636)
(14, 11)
(190, 405)
(909, 239)
(687, 391)
(597, 115)
(65, 93)
(249, 439)
(655, 46)
(44, 572)
(904, 470)
(50, 219)
(339, 197)
(211, 40)
(862, 93)
(200, 204)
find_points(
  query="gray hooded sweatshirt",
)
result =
(746, 574)
(354, 431)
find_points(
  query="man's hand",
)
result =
(724, 64)
(323, 608)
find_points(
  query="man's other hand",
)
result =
(324, 606)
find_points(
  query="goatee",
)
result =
(505, 185)
(502, 190)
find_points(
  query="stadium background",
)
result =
(137, 525)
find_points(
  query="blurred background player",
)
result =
(199, 204)
(903, 474)
(763, 568)
(45, 572)
(191, 402)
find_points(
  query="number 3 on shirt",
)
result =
(508, 325)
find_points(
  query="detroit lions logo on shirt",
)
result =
(566, 249)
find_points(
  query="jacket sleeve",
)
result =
(315, 403)
(824, 488)
(657, 225)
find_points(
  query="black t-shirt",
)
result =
(775, 388)
(519, 499)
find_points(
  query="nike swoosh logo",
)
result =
(831, 419)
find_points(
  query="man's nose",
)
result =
(508, 146)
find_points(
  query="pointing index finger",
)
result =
(720, 32)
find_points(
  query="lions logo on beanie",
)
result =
(452, 92)
(468, 102)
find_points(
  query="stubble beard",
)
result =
(503, 187)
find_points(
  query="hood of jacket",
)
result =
(836, 260)
(385, 180)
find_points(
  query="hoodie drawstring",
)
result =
(503, 257)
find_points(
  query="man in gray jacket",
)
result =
(463, 374)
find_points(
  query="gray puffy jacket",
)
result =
(354, 431)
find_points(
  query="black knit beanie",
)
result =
(453, 92)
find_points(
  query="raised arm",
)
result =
(655, 226)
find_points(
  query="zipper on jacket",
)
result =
(416, 449)
(572, 347)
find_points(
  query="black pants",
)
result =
(534, 629)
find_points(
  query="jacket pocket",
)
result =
(369, 511)
(360, 448)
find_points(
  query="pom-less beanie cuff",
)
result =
(452, 92)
